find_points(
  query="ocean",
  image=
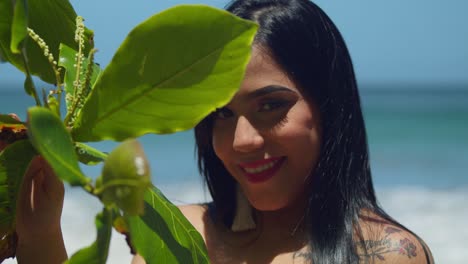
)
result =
(418, 141)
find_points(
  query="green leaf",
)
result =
(6, 20)
(67, 61)
(29, 85)
(53, 21)
(97, 252)
(52, 140)
(170, 72)
(19, 26)
(89, 155)
(2, 57)
(14, 161)
(163, 234)
(8, 120)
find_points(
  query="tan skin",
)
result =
(277, 124)
(39, 209)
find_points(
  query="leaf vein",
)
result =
(151, 88)
(195, 245)
(63, 163)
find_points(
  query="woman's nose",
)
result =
(246, 137)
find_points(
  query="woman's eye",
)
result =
(269, 106)
(223, 113)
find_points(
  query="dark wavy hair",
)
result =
(310, 49)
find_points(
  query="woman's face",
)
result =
(268, 136)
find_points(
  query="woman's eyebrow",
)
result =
(269, 89)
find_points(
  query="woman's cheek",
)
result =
(219, 141)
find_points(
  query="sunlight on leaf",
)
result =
(170, 72)
(163, 234)
(52, 140)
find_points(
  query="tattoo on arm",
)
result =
(378, 249)
(375, 249)
(302, 254)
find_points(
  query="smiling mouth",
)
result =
(260, 171)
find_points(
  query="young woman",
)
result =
(292, 145)
(286, 161)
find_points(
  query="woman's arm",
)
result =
(384, 242)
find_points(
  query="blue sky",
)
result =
(398, 41)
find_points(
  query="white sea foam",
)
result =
(440, 217)
(437, 216)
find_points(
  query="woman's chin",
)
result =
(268, 205)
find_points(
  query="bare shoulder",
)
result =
(193, 210)
(385, 243)
(197, 216)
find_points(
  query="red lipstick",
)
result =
(261, 170)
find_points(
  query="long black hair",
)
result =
(304, 41)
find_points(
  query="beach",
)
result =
(418, 154)
(437, 216)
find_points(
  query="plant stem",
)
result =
(89, 188)
(59, 99)
(59, 87)
(89, 74)
(29, 78)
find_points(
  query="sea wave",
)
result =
(438, 216)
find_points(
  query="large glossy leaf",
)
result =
(97, 252)
(53, 20)
(14, 160)
(67, 61)
(163, 234)
(51, 139)
(170, 72)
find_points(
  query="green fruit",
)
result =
(125, 178)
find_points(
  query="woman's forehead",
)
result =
(262, 71)
(261, 60)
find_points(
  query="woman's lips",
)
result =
(262, 170)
